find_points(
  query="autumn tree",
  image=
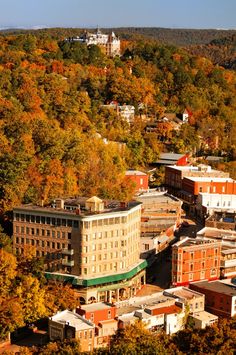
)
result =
(32, 298)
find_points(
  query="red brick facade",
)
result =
(193, 262)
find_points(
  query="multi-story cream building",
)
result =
(94, 244)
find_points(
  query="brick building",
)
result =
(227, 238)
(103, 316)
(195, 185)
(93, 244)
(139, 178)
(194, 260)
(67, 325)
(220, 298)
(174, 175)
(161, 215)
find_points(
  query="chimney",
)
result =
(123, 204)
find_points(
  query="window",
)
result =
(191, 267)
(191, 256)
(37, 219)
(109, 314)
(69, 235)
(146, 246)
(76, 224)
(200, 189)
(214, 189)
(191, 277)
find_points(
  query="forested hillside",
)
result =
(220, 51)
(175, 36)
(53, 125)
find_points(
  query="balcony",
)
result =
(228, 263)
(67, 251)
(68, 262)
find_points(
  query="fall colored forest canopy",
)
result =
(53, 125)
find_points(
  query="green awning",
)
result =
(99, 280)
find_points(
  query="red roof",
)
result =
(166, 310)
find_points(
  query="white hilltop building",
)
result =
(110, 43)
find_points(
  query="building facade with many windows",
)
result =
(94, 244)
(195, 260)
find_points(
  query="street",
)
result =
(159, 273)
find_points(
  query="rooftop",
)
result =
(183, 293)
(200, 169)
(189, 242)
(226, 217)
(209, 179)
(172, 309)
(134, 172)
(217, 286)
(72, 319)
(77, 206)
(216, 233)
(156, 197)
(171, 156)
(95, 307)
(148, 290)
(204, 316)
